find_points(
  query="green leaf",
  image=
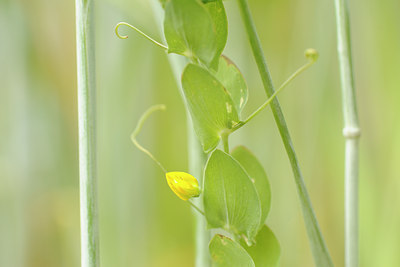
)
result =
(189, 30)
(216, 10)
(210, 105)
(257, 175)
(232, 79)
(163, 2)
(267, 251)
(227, 253)
(230, 199)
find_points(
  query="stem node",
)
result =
(351, 132)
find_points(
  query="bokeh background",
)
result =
(141, 222)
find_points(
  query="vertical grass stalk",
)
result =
(87, 135)
(197, 158)
(318, 247)
(351, 132)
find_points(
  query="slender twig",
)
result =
(225, 141)
(195, 207)
(197, 158)
(87, 133)
(351, 133)
(318, 247)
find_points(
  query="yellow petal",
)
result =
(184, 185)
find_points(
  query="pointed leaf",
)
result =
(257, 175)
(210, 106)
(232, 79)
(189, 30)
(227, 253)
(266, 252)
(216, 10)
(230, 198)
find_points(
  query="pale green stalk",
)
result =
(87, 134)
(351, 133)
(15, 143)
(225, 141)
(197, 158)
(318, 247)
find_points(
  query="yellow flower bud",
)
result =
(184, 185)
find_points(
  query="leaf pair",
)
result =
(215, 89)
(237, 198)
(265, 253)
(237, 194)
(215, 100)
(196, 30)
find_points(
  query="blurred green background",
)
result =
(141, 222)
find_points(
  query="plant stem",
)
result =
(196, 208)
(318, 247)
(197, 158)
(87, 133)
(351, 133)
(197, 162)
(225, 141)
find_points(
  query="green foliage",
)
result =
(258, 176)
(232, 79)
(210, 105)
(236, 191)
(266, 252)
(215, 101)
(217, 12)
(230, 199)
(227, 253)
(191, 31)
(163, 2)
(237, 195)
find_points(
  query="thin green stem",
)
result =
(351, 132)
(318, 247)
(87, 133)
(196, 157)
(195, 207)
(139, 126)
(140, 32)
(266, 103)
(225, 141)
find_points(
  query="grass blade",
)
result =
(318, 247)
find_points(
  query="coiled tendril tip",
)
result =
(139, 31)
(117, 33)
